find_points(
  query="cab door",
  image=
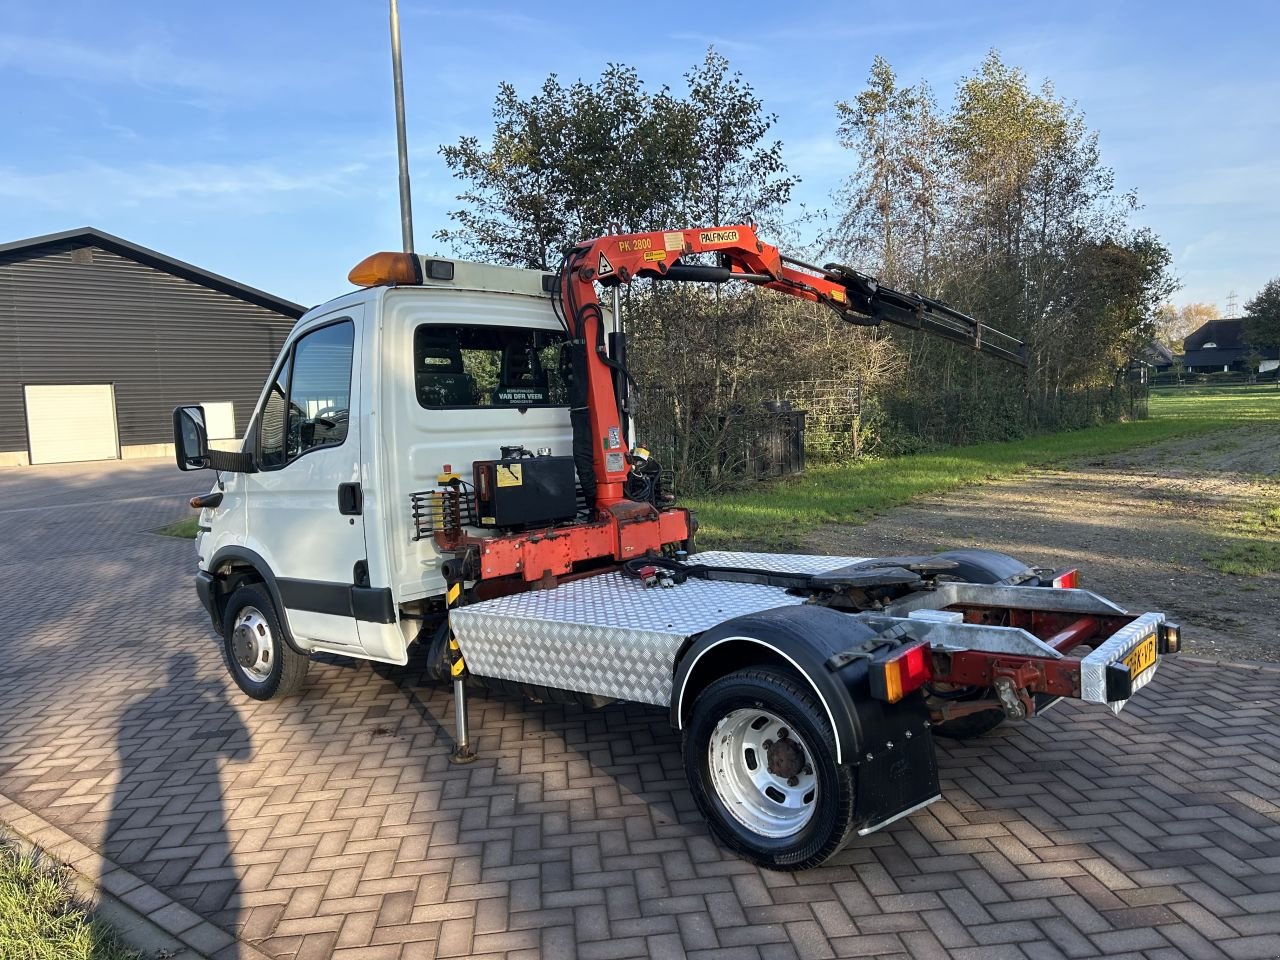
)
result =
(305, 502)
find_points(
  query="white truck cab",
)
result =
(374, 394)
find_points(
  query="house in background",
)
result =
(1156, 356)
(1220, 347)
(101, 338)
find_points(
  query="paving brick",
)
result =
(333, 823)
(1252, 948)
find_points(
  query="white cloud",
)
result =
(157, 66)
(92, 189)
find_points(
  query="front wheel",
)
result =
(760, 755)
(258, 656)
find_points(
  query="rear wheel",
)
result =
(259, 658)
(760, 756)
(973, 724)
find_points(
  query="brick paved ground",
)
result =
(333, 824)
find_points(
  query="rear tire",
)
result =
(973, 725)
(261, 661)
(760, 755)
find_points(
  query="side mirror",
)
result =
(190, 438)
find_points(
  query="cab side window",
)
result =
(308, 405)
(320, 388)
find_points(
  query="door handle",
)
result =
(350, 499)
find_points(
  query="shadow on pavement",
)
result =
(168, 821)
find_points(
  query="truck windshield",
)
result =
(457, 365)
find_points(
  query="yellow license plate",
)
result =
(1143, 658)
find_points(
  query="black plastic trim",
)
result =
(1119, 682)
(206, 587)
(350, 499)
(371, 604)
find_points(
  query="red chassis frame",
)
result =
(1027, 675)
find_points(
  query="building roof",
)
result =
(1156, 354)
(91, 237)
(1225, 334)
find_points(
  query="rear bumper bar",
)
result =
(1121, 644)
(983, 636)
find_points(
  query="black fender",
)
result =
(984, 566)
(889, 744)
(218, 590)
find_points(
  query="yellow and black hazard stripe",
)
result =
(457, 665)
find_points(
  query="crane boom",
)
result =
(599, 446)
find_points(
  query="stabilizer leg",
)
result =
(462, 751)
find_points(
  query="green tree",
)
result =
(566, 164)
(1262, 319)
(571, 162)
(1175, 324)
(891, 202)
(738, 174)
(1262, 316)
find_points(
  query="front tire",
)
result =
(760, 755)
(259, 658)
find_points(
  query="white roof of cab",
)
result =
(467, 276)
(487, 277)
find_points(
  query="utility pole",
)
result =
(402, 141)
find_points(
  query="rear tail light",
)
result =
(1066, 579)
(906, 669)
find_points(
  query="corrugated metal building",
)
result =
(101, 338)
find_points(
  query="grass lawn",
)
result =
(1252, 546)
(773, 514)
(41, 917)
(186, 529)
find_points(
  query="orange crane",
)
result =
(623, 528)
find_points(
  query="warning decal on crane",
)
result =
(605, 267)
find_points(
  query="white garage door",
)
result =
(67, 422)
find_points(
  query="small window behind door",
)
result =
(484, 365)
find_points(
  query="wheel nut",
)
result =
(793, 782)
(768, 744)
(808, 770)
(784, 733)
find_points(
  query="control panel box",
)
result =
(524, 492)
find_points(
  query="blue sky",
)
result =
(256, 139)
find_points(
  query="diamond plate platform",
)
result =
(779, 562)
(610, 635)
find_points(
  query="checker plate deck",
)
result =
(612, 636)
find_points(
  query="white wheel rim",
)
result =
(251, 644)
(763, 773)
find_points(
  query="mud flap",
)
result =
(897, 769)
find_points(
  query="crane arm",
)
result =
(621, 258)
